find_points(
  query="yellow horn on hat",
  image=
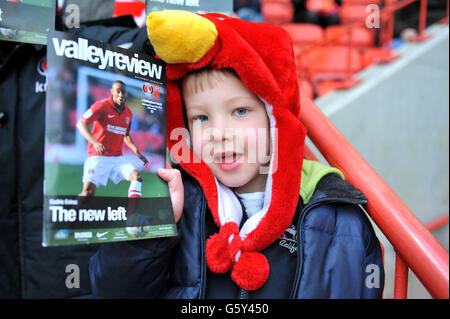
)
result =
(180, 36)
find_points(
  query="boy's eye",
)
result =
(241, 111)
(201, 118)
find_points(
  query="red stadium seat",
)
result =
(352, 13)
(274, 1)
(325, 87)
(361, 36)
(277, 12)
(304, 34)
(377, 55)
(330, 62)
(320, 5)
(361, 2)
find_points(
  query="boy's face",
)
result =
(229, 129)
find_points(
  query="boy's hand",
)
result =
(176, 189)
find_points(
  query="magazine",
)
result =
(197, 6)
(26, 20)
(105, 189)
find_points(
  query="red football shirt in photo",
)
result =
(110, 126)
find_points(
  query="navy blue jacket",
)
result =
(334, 253)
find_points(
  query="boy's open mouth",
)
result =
(228, 160)
(226, 157)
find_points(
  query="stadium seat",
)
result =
(377, 55)
(320, 5)
(325, 87)
(361, 37)
(304, 34)
(274, 1)
(329, 63)
(361, 2)
(352, 13)
(355, 10)
(277, 12)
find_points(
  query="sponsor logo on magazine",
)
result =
(62, 234)
(102, 235)
(120, 234)
(83, 235)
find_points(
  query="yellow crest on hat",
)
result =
(180, 36)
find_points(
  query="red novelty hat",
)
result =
(262, 56)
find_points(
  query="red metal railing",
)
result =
(416, 247)
(402, 269)
(438, 223)
(401, 278)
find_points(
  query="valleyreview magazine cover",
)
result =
(105, 138)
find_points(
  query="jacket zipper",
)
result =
(303, 213)
(203, 248)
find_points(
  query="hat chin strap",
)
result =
(230, 210)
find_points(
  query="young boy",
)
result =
(255, 220)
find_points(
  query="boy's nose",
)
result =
(222, 131)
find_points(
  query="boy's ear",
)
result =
(180, 36)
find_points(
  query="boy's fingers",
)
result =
(168, 174)
(175, 183)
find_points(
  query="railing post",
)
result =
(422, 23)
(401, 278)
(349, 53)
(438, 223)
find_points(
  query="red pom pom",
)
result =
(217, 254)
(251, 271)
(218, 257)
